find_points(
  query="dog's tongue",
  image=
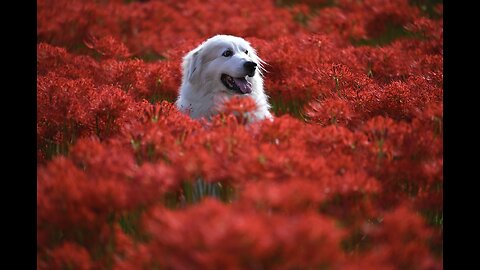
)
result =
(244, 85)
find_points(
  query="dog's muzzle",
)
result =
(238, 85)
(250, 67)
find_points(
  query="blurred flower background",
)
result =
(348, 176)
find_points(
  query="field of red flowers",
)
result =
(349, 175)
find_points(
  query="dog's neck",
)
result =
(197, 100)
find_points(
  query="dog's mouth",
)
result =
(238, 85)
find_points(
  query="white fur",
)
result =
(202, 93)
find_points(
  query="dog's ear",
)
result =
(191, 65)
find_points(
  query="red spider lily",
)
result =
(65, 22)
(338, 21)
(240, 107)
(349, 174)
(69, 255)
(300, 195)
(57, 60)
(403, 239)
(162, 129)
(365, 19)
(69, 109)
(431, 29)
(107, 46)
(128, 75)
(265, 241)
(402, 157)
(99, 160)
(63, 102)
(68, 199)
(332, 111)
(163, 79)
(290, 69)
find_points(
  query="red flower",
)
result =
(348, 176)
(240, 239)
(242, 108)
(403, 241)
(68, 255)
(332, 111)
(107, 46)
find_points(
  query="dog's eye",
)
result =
(246, 51)
(227, 53)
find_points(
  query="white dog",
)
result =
(220, 68)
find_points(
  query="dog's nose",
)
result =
(250, 68)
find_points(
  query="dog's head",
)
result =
(223, 63)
